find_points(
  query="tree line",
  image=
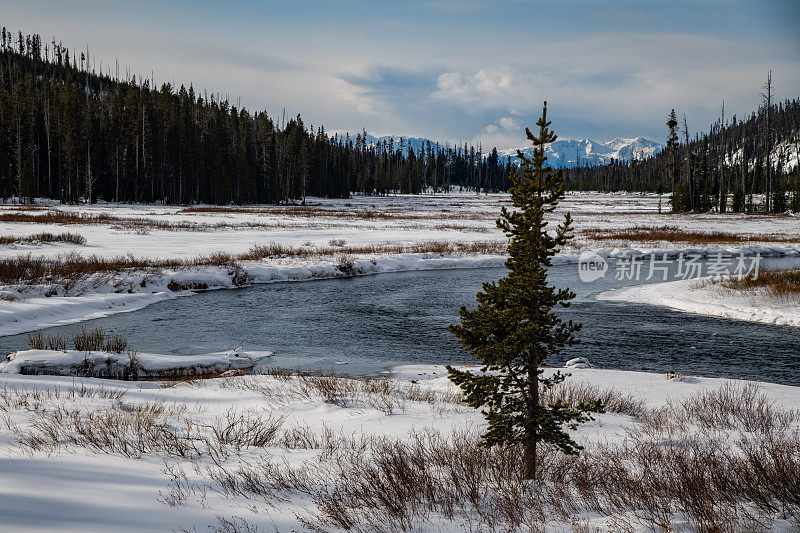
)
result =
(75, 133)
(722, 169)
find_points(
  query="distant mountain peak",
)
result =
(573, 152)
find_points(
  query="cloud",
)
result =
(384, 90)
(484, 87)
(509, 124)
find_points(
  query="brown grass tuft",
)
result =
(73, 238)
(781, 284)
(673, 234)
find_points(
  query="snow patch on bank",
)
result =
(694, 296)
(37, 313)
(128, 365)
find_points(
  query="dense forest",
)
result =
(720, 169)
(71, 132)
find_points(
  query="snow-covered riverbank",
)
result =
(695, 296)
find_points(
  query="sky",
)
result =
(456, 71)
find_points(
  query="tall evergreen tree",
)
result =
(515, 328)
(672, 148)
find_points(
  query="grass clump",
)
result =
(73, 238)
(36, 341)
(84, 341)
(89, 341)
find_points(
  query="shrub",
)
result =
(36, 341)
(89, 341)
(73, 238)
(116, 344)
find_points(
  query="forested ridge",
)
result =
(703, 168)
(73, 133)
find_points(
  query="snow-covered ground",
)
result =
(267, 451)
(325, 233)
(84, 455)
(712, 299)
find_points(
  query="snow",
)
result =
(578, 362)
(117, 365)
(37, 313)
(564, 152)
(75, 488)
(695, 296)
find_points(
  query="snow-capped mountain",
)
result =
(571, 152)
(562, 153)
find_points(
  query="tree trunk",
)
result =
(531, 437)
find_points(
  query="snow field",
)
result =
(281, 452)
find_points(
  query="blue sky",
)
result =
(457, 71)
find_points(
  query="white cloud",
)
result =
(488, 84)
(509, 124)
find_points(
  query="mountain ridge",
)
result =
(561, 153)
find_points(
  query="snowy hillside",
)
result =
(785, 157)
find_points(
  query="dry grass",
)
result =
(724, 460)
(338, 248)
(574, 393)
(343, 214)
(52, 342)
(73, 238)
(140, 223)
(673, 234)
(32, 270)
(84, 341)
(10, 297)
(55, 216)
(779, 284)
(679, 465)
(384, 395)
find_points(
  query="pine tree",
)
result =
(514, 327)
(672, 148)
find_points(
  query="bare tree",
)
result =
(767, 98)
(723, 185)
(689, 164)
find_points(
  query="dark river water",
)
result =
(366, 324)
